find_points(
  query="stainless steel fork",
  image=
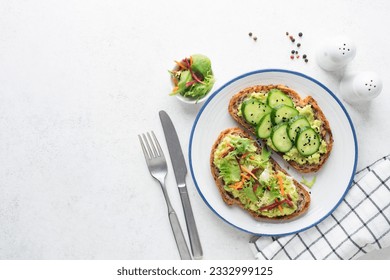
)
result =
(157, 165)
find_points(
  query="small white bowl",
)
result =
(191, 100)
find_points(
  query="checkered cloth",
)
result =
(359, 225)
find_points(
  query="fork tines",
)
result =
(152, 149)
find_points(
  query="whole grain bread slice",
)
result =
(325, 130)
(304, 197)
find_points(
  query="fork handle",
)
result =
(175, 225)
(179, 236)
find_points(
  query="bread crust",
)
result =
(303, 203)
(325, 130)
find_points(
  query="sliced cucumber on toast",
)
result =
(283, 113)
(295, 125)
(253, 110)
(264, 128)
(308, 141)
(272, 112)
(280, 139)
(277, 97)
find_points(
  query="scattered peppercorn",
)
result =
(294, 53)
(255, 38)
(250, 34)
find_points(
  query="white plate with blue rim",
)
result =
(332, 180)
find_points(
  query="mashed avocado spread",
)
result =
(293, 154)
(250, 177)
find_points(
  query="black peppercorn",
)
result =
(300, 34)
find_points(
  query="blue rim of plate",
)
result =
(281, 71)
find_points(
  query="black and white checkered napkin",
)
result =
(359, 225)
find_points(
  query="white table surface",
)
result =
(80, 79)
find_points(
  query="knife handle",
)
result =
(196, 247)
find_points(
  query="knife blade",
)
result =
(180, 170)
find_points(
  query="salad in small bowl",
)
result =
(192, 78)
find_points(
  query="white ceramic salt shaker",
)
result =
(336, 53)
(360, 87)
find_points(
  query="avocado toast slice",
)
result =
(295, 128)
(248, 177)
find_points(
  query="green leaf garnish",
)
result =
(308, 183)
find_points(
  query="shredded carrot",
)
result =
(227, 151)
(228, 144)
(249, 172)
(244, 155)
(190, 60)
(245, 176)
(252, 157)
(181, 65)
(237, 185)
(240, 184)
(280, 208)
(175, 89)
(280, 182)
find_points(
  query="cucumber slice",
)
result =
(295, 125)
(264, 128)
(253, 110)
(283, 113)
(277, 97)
(280, 138)
(308, 141)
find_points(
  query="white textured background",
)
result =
(80, 79)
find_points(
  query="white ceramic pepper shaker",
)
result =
(360, 87)
(336, 53)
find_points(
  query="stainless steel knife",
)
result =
(180, 170)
